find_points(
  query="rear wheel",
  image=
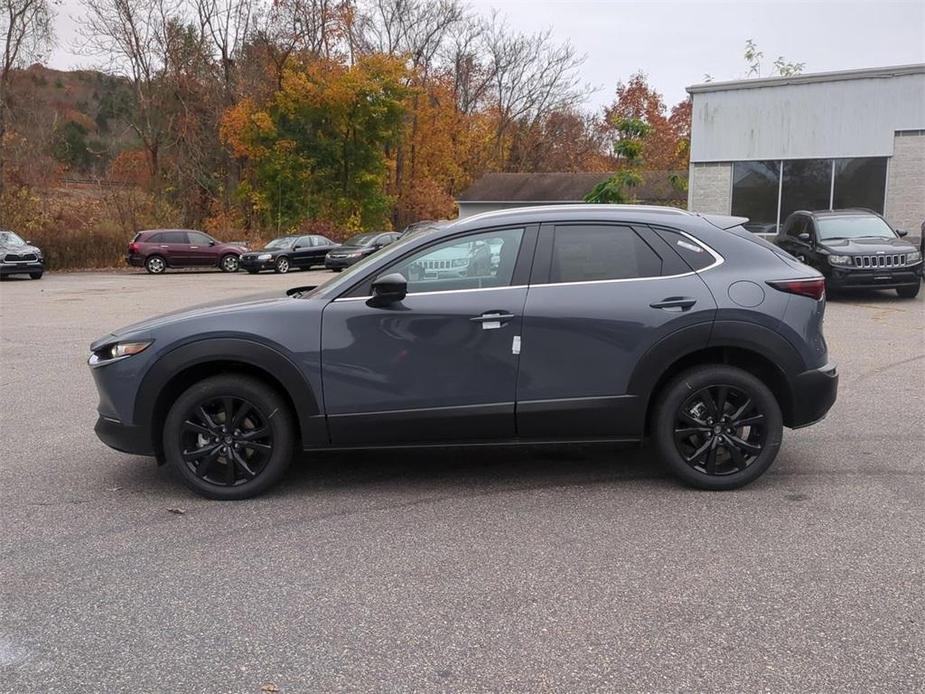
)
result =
(229, 437)
(155, 264)
(230, 263)
(282, 265)
(717, 427)
(909, 292)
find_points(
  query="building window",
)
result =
(808, 184)
(860, 183)
(755, 190)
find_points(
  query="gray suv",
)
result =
(584, 324)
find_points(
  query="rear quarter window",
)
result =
(693, 253)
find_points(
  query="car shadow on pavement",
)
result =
(887, 296)
(488, 466)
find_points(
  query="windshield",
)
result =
(361, 240)
(8, 238)
(284, 242)
(854, 227)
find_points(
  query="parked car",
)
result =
(158, 249)
(287, 252)
(357, 248)
(18, 257)
(599, 323)
(853, 249)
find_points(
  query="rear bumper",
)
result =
(135, 260)
(21, 268)
(123, 437)
(813, 392)
(885, 278)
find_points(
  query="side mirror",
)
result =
(212, 242)
(902, 233)
(388, 289)
(805, 237)
(295, 248)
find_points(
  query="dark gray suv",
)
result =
(534, 325)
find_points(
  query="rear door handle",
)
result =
(492, 320)
(675, 303)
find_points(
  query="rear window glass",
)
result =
(585, 253)
(695, 255)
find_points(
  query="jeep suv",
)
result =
(158, 249)
(853, 249)
(595, 323)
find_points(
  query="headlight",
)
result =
(913, 257)
(264, 256)
(356, 254)
(841, 260)
(119, 350)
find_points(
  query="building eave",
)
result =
(810, 78)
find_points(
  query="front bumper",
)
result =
(813, 393)
(883, 278)
(251, 263)
(23, 268)
(125, 438)
(334, 263)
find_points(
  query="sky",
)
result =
(677, 43)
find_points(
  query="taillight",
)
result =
(133, 247)
(813, 287)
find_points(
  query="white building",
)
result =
(762, 148)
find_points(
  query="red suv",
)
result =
(158, 249)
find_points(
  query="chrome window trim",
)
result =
(717, 261)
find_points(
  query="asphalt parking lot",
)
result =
(568, 569)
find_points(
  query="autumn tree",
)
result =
(25, 26)
(318, 150)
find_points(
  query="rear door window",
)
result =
(594, 252)
(174, 237)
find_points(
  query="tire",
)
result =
(282, 265)
(229, 263)
(195, 424)
(155, 264)
(36, 275)
(909, 292)
(710, 454)
(336, 269)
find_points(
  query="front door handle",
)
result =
(675, 303)
(492, 320)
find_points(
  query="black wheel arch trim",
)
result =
(249, 352)
(671, 349)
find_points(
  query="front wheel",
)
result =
(230, 263)
(717, 427)
(909, 292)
(229, 437)
(282, 265)
(35, 275)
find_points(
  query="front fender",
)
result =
(238, 350)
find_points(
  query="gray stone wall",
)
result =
(709, 188)
(905, 185)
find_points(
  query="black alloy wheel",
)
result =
(229, 436)
(717, 426)
(226, 441)
(719, 430)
